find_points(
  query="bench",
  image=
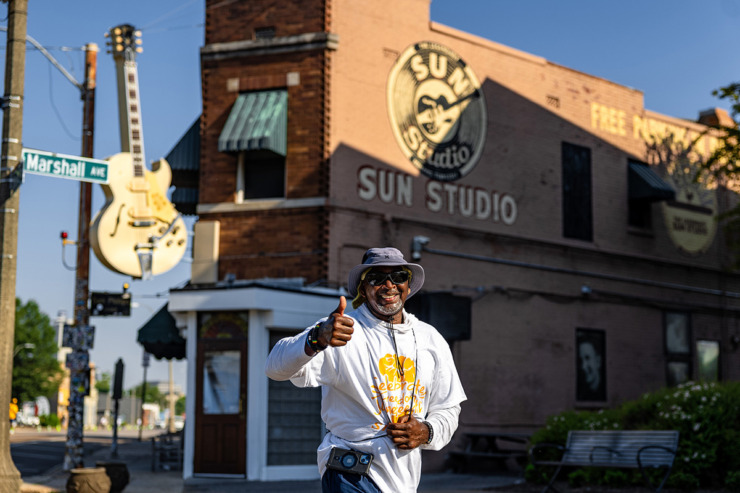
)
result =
(639, 449)
(487, 447)
(167, 451)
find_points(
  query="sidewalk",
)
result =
(137, 456)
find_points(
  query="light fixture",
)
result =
(417, 245)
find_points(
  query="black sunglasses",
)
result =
(379, 278)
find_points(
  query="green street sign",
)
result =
(64, 166)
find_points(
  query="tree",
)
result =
(722, 169)
(36, 371)
(152, 394)
(180, 406)
(103, 382)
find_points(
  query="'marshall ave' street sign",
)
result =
(64, 166)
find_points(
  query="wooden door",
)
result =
(221, 415)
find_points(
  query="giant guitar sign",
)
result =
(138, 232)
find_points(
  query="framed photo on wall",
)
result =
(677, 336)
(677, 333)
(707, 359)
(677, 372)
(590, 365)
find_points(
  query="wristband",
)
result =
(431, 432)
(313, 339)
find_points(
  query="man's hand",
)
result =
(408, 433)
(337, 329)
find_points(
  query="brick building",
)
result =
(571, 262)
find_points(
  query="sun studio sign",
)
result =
(437, 111)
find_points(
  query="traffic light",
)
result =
(65, 239)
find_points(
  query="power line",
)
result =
(168, 14)
(56, 110)
(174, 28)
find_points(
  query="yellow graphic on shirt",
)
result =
(397, 390)
(402, 369)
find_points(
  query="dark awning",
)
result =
(258, 122)
(184, 159)
(645, 184)
(160, 337)
(185, 155)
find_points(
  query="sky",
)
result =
(674, 51)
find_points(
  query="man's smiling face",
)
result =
(386, 300)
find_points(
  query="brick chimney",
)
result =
(716, 116)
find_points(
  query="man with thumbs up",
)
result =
(390, 386)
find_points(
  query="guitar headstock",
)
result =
(124, 41)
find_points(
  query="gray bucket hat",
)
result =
(380, 257)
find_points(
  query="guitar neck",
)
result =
(129, 112)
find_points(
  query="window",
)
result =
(260, 175)
(577, 213)
(264, 32)
(677, 336)
(294, 426)
(644, 186)
(256, 130)
(640, 214)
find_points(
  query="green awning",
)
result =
(645, 184)
(160, 336)
(258, 122)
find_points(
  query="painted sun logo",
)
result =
(402, 370)
(437, 111)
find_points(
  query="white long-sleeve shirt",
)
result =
(365, 386)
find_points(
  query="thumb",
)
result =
(342, 306)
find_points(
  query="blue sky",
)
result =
(675, 51)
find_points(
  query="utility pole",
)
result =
(75, 417)
(10, 152)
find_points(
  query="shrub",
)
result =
(705, 414)
(732, 481)
(51, 420)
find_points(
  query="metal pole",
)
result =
(117, 396)
(171, 399)
(145, 364)
(10, 154)
(114, 443)
(74, 446)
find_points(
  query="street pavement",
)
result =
(138, 454)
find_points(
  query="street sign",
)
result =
(64, 166)
(110, 304)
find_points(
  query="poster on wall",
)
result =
(677, 372)
(707, 358)
(590, 365)
(677, 333)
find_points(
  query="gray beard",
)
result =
(385, 310)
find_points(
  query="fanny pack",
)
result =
(351, 461)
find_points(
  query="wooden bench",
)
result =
(487, 447)
(640, 449)
(167, 451)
